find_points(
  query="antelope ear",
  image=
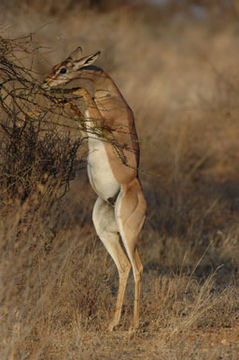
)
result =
(85, 61)
(76, 54)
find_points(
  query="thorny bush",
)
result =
(37, 152)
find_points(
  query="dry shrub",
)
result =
(35, 155)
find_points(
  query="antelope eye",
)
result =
(63, 70)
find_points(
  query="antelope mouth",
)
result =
(45, 85)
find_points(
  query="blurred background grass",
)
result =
(176, 63)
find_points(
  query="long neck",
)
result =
(103, 84)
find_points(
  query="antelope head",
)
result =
(68, 69)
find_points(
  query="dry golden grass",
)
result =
(57, 283)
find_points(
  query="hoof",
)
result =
(134, 327)
(112, 326)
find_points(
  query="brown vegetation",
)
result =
(57, 283)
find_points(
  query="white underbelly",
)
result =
(99, 171)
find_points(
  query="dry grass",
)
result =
(57, 283)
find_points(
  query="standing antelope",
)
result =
(113, 160)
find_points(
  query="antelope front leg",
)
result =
(81, 92)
